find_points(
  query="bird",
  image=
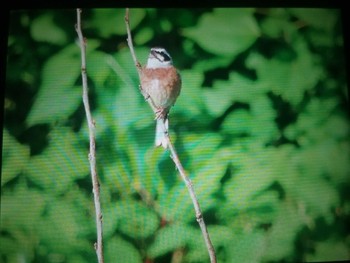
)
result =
(161, 82)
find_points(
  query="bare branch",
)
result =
(92, 153)
(136, 62)
(130, 44)
(173, 152)
(192, 193)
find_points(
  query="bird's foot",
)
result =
(161, 113)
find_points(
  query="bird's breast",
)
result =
(162, 85)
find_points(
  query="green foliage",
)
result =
(14, 158)
(261, 127)
(236, 29)
(44, 29)
(60, 171)
(57, 86)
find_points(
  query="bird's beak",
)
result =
(153, 53)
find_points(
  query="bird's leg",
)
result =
(161, 113)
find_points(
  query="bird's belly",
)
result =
(160, 94)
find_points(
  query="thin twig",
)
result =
(136, 62)
(192, 193)
(130, 44)
(92, 153)
(173, 152)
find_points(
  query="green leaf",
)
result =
(220, 98)
(143, 36)
(322, 135)
(243, 89)
(97, 67)
(63, 161)
(275, 25)
(329, 251)
(323, 19)
(245, 247)
(170, 238)
(280, 240)
(11, 247)
(203, 65)
(58, 97)
(20, 243)
(225, 31)
(15, 157)
(43, 28)
(151, 179)
(256, 170)
(239, 122)
(120, 250)
(110, 21)
(134, 219)
(317, 195)
(204, 145)
(64, 228)
(20, 209)
(263, 125)
(258, 121)
(190, 100)
(289, 80)
(118, 174)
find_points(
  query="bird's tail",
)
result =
(161, 129)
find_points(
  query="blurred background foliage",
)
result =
(261, 126)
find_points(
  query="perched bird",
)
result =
(161, 81)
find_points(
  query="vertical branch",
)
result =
(130, 44)
(136, 62)
(92, 153)
(174, 155)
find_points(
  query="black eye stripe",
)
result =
(164, 55)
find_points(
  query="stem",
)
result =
(173, 153)
(130, 44)
(192, 193)
(92, 153)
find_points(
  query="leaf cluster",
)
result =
(261, 126)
